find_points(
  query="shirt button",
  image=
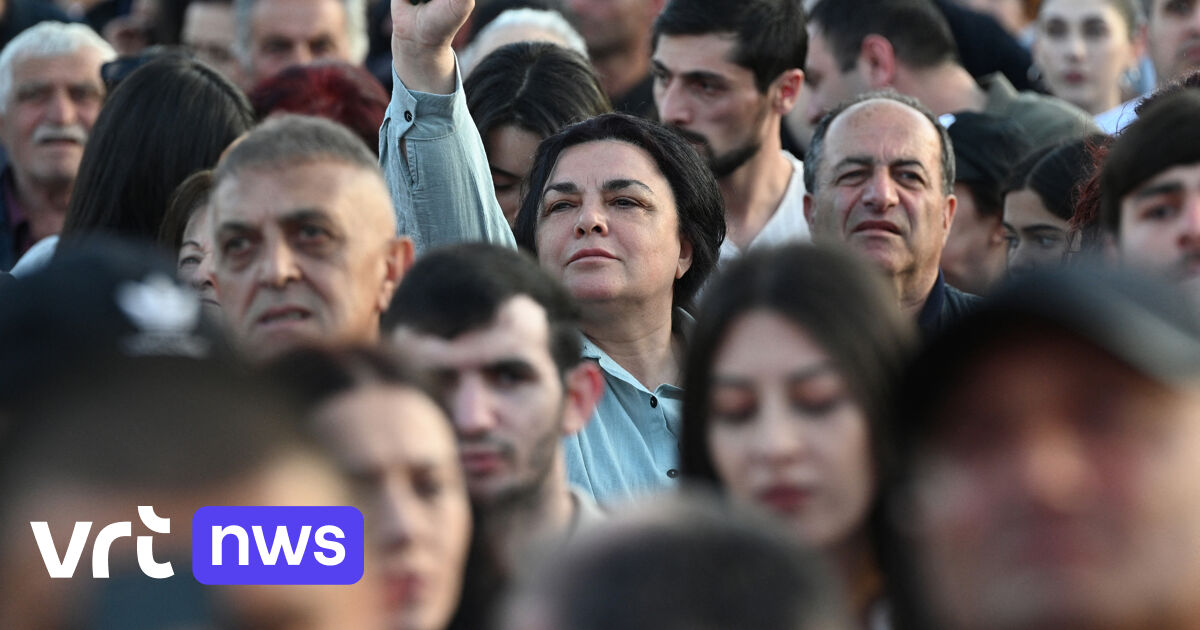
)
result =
(407, 116)
(672, 473)
(653, 402)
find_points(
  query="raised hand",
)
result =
(421, 36)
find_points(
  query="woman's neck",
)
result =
(637, 337)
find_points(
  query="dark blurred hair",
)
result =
(771, 34)
(684, 564)
(1056, 174)
(1186, 82)
(338, 91)
(816, 146)
(455, 290)
(170, 118)
(698, 201)
(190, 196)
(537, 86)
(917, 30)
(314, 376)
(1166, 135)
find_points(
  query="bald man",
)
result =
(304, 240)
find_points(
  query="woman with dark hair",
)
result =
(521, 94)
(168, 119)
(629, 218)
(383, 426)
(1039, 201)
(186, 233)
(786, 386)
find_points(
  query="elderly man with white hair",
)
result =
(50, 95)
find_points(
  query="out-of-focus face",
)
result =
(974, 257)
(1173, 38)
(879, 189)
(305, 255)
(195, 259)
(1083, 47)
(505, 395)
(1060, 492)
(1159, 227)
(825, 83)
(510, 152)
(295, 32)
(51, 109)
(713, 101)
(208, 30)
(612, 26)
(786, 434)
(400, 448)
(607, 225)
(1037, 239)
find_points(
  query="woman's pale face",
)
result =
(608, 226)
(1036, 238)
(400, 447)
(785, 433)
(510, 151)
(1083, 47)
(195, 260)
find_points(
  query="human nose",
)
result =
(880, 192)
(473, 412)
(779, 437)
(278, 266)
(591, 220)
(398, 518)
(61, 109)
(673, 105)
(1053, 468)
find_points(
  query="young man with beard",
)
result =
(725, 74)
(499, 340)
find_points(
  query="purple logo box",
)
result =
(277, 545)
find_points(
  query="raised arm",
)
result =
(429, 149)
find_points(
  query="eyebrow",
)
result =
(803, 374)
(690, 75)
(191, 242)
(612, 185)
(1164, 188)
(1041, 227)
(866, 160)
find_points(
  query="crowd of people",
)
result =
(671, 314)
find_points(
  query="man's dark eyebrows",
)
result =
(1164, 188)
(615, 185)
(703, 75)
(233, 227)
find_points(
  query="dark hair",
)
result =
(682, 564)
(698, 201)
(771, 34)
(1166, 135)
(458, 289)
(313, 375)
(917, 30)
(849, 310)
(170, 118)
(537, 86)
(834, 297)
(1055, 174)
(185, 201)
(1188, 81)
(816, 146)
(341, 92)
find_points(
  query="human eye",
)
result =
(1157, 212)
(557, 205)
(1048, 241)
(911, 177)
(33, 93)
(236, 245)
(851, 177)
(733, 405)
(427, 484)
(189, 261)
(509, 376)
(1011, 241)
(817, 396)
(323, 46)
(1095, 29)
(1055, 29)
(1178, 7)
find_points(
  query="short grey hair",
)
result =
(549, 21)
(47, 39)
(816, 146)
(356, 29)
(291, 139)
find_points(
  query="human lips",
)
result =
(1074, 77)
(287, 315)
(404, 588)
(590, 253)
(481, 461)
(877, 226)
(784, 498)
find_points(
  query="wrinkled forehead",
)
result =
(885, 130)
(267, 190)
